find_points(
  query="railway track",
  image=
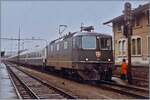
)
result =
(31, 87)
(130, 90)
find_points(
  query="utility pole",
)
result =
(0, 37)
(19, 46)
(128, 33)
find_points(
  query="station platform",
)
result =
(7, 90)
(119, 81)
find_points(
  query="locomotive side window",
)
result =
(89, 42)
(51, 47)
(74, 43)
(65, 45)
(77, 42)
(105, 43)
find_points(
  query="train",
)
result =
(86, 54)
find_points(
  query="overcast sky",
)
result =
(40, 19)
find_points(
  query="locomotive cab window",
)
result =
(89, 42)
(105, 44)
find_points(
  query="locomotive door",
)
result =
(98, 43)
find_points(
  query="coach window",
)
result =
(35, 54)
(74, 43)
(51, 47)
(40, 54)
(57, 47)
(65, 45)
(28, 56)
(89, 42)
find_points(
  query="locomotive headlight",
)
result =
(86, 59)
(109, 59)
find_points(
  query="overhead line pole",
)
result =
(19, 39)
(19, 46)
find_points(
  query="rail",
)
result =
(126, 89)
(31, 93)
(58, 90)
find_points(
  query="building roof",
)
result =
(135, 12)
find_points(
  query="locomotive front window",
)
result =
(105, 43)
(89, 42)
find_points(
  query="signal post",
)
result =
(127, 31)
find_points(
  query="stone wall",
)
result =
(140, 75)
(141, 72)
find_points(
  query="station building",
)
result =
(140, 40)
(140, 37)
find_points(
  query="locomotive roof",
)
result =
(80, 34)
(92, 33)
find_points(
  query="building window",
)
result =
(137, 21)
(123, 47)
(148, 46)
(65, 45)
(133, 47)
(119, 47)
(138, 46)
